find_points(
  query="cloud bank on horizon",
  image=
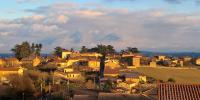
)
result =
(74, 24)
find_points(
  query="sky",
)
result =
(150, 25)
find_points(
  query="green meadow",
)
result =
(190, 76)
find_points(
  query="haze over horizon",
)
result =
(150, 25)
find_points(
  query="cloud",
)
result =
(119, 0)
(26, 1)
(76, 37)
(57, 19)
(4, 33)
(1, 45)
(175, 1)
(57, 8)
(169, 1)
(181, 1)
(43, 28)
(73, 26)
(9, 25)
(89, 13)
(62, 19)
(37, 17)
(67, 9)
(111, 37)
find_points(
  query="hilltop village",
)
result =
(93, 74)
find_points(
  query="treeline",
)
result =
(25, 49)
(102, 49)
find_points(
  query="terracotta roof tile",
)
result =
(178, 92)
(111, 71)
(10, 69)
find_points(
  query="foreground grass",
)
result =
(190, 76)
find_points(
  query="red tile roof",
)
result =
(2, 59)
(178, 92)
(11, 59)
(10, 69)
(111, 71)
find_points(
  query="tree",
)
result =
(102, 65)
(72, 50)
(32, 47)
(38, 48)
(171, 80)
(90, 84)
(23, 86)
(84, 49)
(108, 85)
(104, 50)
(48, 68)
(38, 78)
(127, 61)
(58, 51)
(111, 49)
(130, 50)
(24, 49)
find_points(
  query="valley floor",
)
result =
(181, 75)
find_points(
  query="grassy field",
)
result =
(191, 76)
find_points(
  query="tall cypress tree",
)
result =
(104, 50)
(102, 65)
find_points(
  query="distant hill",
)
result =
(177, 54)
(146, 53)
(5, 55)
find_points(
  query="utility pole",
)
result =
(41, 90)
(94, 83)
(23, 96)
(49, 88)
(68, 85)
(53, 78)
